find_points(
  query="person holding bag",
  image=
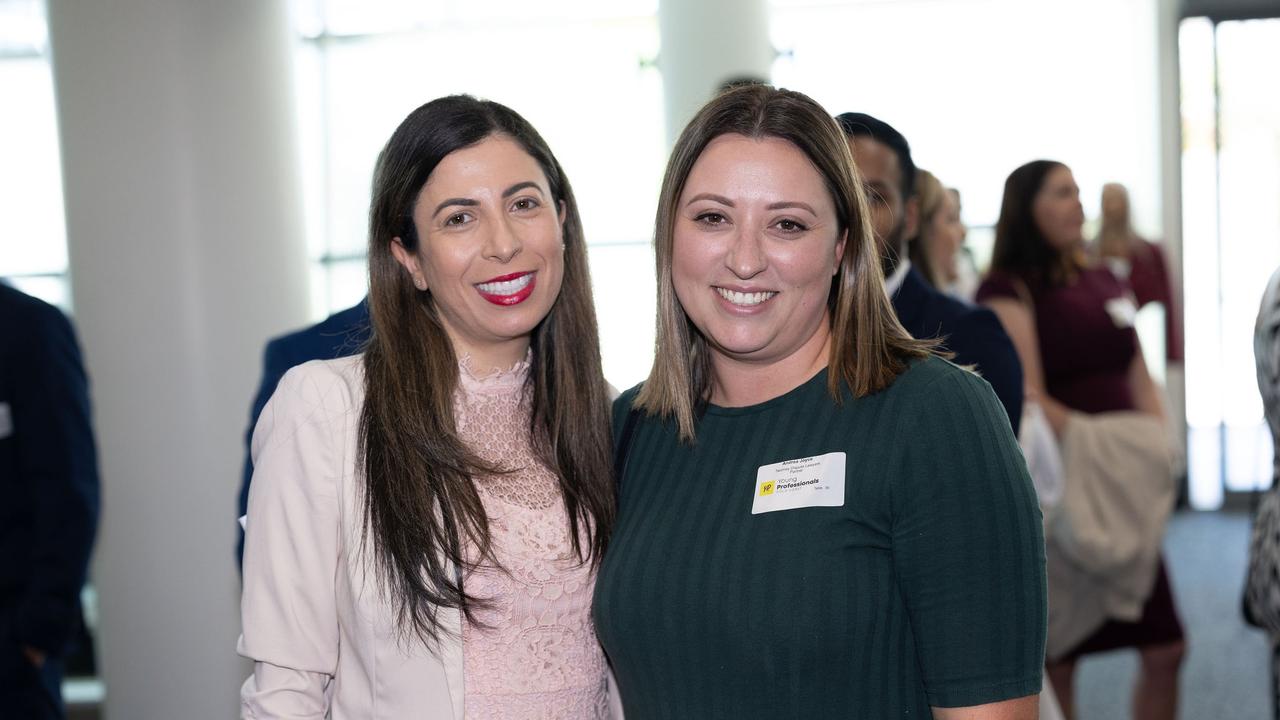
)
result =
(1072, 325)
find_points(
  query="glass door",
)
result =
(1231, 244)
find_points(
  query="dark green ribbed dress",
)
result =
(926, 587)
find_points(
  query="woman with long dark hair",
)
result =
(1072, 324)
(818, 517)
(425, 518)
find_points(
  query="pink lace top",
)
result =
(533, 653)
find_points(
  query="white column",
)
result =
(1167, 18)
(186, 253)
(705, 43)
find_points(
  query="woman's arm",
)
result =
(288, 607)
(1020, 324)
(1023, 708)
(968, 551)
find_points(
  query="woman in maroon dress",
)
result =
(1072, 325)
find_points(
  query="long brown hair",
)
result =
(1021, 249)
(420, 503)
(869, 347)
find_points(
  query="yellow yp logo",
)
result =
(766, 488)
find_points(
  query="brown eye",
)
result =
(711, 218)
(524, 204)
(791, 226)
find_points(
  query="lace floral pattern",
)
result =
(533, 652)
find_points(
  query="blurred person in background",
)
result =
(972, 333)
(1139, 262)
(48, 501)
(1261, 604)
(425, 518)
(342, 334)
(935, 249)
(1072, 323)
(968, 278)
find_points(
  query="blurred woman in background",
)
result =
(1072, 324)
(1139, 262)
(936, 248)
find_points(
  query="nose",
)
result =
(503, 244)
(746, 257)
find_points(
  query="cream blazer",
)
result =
(319, 631)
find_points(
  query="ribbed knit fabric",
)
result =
(925, 588)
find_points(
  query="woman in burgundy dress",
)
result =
(1072, 325)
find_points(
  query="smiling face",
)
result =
(756, 243)
(490, 248)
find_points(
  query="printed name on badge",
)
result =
(816, 481)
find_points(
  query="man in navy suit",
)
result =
(339, 335)
(48, 501)
(973, 333)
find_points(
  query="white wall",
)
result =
(186, 252)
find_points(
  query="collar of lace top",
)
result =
(493, 380)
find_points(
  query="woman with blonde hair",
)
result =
(1138, 262)
(425, 518)
(818, 517)
(936, 247)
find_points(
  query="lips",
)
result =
(745, 299)
(511, 289)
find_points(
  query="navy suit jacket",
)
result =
(339, 335)
(972, 332)
(48, 476)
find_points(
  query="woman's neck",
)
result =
(739, 383)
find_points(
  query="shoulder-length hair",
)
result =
(869, 347)
(1021, 249)
(931, 193)
(421, 506)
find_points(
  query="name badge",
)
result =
(816, 481)
(6, 421)
(1123, 311)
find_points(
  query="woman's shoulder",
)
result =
(998, 285)
(928, 374)
(331, 386)
(938, 387)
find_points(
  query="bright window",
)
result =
(33, 238)
(1231, 230)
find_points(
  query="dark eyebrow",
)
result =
(710, 196)
(520, 186)
(465, 202)
(792, 204)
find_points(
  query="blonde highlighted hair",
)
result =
(869, 347)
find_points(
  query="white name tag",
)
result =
(1123, 311)
(816, 481)
(6, 421)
